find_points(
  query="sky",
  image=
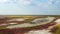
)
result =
(29, 7)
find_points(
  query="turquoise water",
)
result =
(30, 7)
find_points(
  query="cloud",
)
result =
(24, 2)
(53, 1)
(7, 1)
(30, 7)
(38, 3)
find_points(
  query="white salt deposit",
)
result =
(39, 32)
